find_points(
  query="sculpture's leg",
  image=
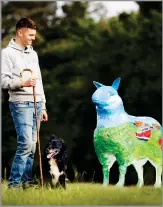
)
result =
(139, 169)
(122, 173)
(108, 161)
(105, 175)
(158, 176)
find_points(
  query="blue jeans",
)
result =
(24, 118)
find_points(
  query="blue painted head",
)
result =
(107, 95)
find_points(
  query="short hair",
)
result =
(26, 23)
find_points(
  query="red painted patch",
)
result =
(160, 143)
(146, 134)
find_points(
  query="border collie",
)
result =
(55, 162)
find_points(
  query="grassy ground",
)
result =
(83, 194)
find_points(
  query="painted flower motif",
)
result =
(139, 123)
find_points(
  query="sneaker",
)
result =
(14, 187)
(34, 185)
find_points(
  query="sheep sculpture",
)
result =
(129, 140)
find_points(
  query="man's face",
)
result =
(27, 35)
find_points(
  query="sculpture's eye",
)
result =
(111, 94)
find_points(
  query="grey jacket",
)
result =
(14, 60)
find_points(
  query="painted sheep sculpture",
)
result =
(125, 138)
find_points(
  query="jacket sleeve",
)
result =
(43, 99)
(7, 79)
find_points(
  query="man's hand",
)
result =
(44, 116)
(30, 82)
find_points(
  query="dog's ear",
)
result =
(64, 148)
(65, 157)
(63, 142)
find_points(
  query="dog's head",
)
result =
(55, 148)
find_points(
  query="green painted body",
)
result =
(121, 142)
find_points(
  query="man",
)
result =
(19, 55)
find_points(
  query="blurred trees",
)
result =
(73, 51)
(147, 6)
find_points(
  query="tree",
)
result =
(147, 6)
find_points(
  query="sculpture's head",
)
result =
(107, 96)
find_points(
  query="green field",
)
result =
(83, 194)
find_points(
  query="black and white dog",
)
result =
(55, 162)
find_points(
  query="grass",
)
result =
(83, 194)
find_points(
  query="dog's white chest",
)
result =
(54, 171)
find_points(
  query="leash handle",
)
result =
(26, 70)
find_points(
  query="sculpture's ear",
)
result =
(116, 83)
(97, 84)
